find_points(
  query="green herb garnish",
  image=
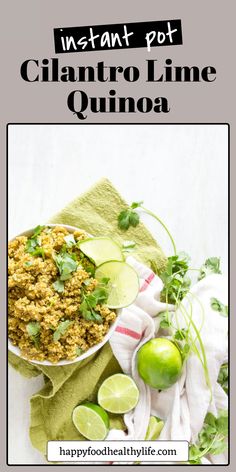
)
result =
(79, 351)
(59, 286)
(61, 329)
(33, 330)
(180, 334)
(33, 245)
(165, 322)
(130, 217)
(218, 306)
(38, 230)
(70, 240)
(28, 263)
(39, 251)
(210, 266)
(223, 377)
(176, 283)
(66, 264)
(212, 439)
(91, 300)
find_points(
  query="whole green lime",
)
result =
(159, 363)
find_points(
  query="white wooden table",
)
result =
(179, 171)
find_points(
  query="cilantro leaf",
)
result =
(101, 295)
(39, 251)
(165, 322)
(223, 377)
(33, 246)
(136, 204)
(58, 285)
(33, 328)
(218, 306)
(210, 266)
(180, 334)
(128, 218)
(91, 300)
(79, 351)
(105, 280)
(37, 231)
(70, 240)
(66, 264)
(61, 329)
(133, 218)
(28, 263)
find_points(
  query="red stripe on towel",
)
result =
(128, 332)
(147, 282)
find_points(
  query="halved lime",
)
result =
(155, 426)
(100, 250)
(91, 421)
(118, 394)
(123, 285)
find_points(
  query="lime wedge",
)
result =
(91, 421)
(118, 394)
(154, 428)
(123, 285)
(100, 250)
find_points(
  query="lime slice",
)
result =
(154, 428)
(100, 250)
(123, 285)
(118, 394)
(91, 421)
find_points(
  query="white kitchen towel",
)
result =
(183, 406)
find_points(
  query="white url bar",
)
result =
(118, 451)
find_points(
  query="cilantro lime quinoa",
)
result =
(56, 308)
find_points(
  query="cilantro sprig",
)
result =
(176, 287)
(66, 264)
(210, 266)
(90, 300)
(61, 329)
(33, 330)
(33, 244)
(212, 439)
(130, 217)
(175, 279)
(223, 377)
(70, 240)
(216, 305)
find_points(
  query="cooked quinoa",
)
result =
(48, 318)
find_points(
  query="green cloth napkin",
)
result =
(65, 387)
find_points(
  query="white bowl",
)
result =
(90, 351)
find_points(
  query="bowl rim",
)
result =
(16, 350)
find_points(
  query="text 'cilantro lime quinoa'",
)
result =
(57, 309)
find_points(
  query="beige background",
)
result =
(26, 31)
